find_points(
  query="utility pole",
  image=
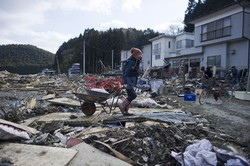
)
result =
(112, 59)
(57, 64)
(83, 58)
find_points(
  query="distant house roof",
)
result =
(185, 33)
(237, 2)
(161, 36)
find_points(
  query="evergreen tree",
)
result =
(201, 8)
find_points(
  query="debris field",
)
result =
(41, 118)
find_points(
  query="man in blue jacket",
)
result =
(130, 74)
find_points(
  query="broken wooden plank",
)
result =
(66, 102)
(30, 155)
(88, 155)
(93, 130)
(50, 96)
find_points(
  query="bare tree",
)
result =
(174, 30)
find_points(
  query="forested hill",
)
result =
(24, 59)
(99, 46)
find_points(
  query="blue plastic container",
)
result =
(190, 97)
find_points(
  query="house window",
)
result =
(216, 29)
(195, 62)
(179, 44)
(214, 61)
(157, 56)
(227, 26)
(204, 33)
(176, 63)
(157, 49)
(148, 62)
(219, 25)
(169, 44)
(183, 62)
(189, 43)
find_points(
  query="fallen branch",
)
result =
(118, 154)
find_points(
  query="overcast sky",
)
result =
(48, 23)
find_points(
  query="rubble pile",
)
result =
(145, 144)
(47, 113)
(151, 144)
(38, 82)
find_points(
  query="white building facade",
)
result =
(186, 53)
(163, 46)
(176, 50)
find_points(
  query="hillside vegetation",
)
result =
(99, 46)
(24, 59)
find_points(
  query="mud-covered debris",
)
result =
(150, 144)
(5, 161)
(43, 139)
(50, 127)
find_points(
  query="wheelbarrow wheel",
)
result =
(88, 108)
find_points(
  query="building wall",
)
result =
(247, 9)
(191, 51)
(183, 37)
(232, 54)
(214, 50)
(247, 25)
(125, 54)
(165, 50)
(158, 62)
(238, 54)
(172, 47)
(146, 56)
(236, 32)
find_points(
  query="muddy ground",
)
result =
(232, 117)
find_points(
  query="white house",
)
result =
(163, 47)
(177, 50)
(146, 56)
(185, 51)
(224, 36)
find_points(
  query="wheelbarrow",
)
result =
(88, 100)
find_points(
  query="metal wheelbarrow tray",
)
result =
(88, 100)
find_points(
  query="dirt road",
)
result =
(231, 117)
